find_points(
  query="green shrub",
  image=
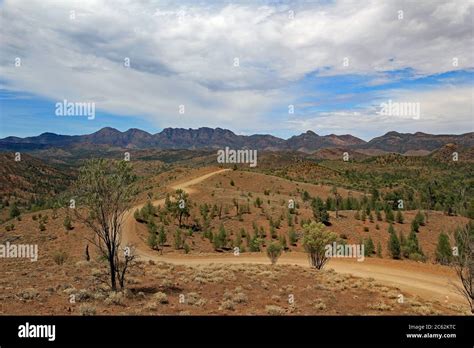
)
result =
(389, 216)
(420, 218)
(443, 249)
(152, 235)
(320, 212)
(255, 243)
(369, 247)
(282, 240)
(315, 239)
(379, 249)
(187, 248)
(394, 246)
(274, 252)
(14, 211)
(400, 218)
(178, 239)
(162, 238)
(391, 229)
(67, 223)
(293, 237)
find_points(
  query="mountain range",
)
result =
(209, 138)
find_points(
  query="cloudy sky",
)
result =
(278, 67)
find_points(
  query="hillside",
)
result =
(31, 178)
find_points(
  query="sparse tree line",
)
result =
(451, 192)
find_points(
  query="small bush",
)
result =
(274, 310)
(86, 309)
(394, 246)
(67, 223)
(293, 237)
(60, 257)
(161, 297)
(443, 249)
(114, 298)
(187, 248)
(227, 305)
(274, 252)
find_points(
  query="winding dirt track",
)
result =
(430, 282)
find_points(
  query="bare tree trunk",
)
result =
(113, 281)
(88, 258)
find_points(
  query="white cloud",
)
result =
(437, 108)
(184, 54)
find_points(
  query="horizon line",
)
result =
(226, 129)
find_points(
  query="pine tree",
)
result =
(293, 237)
(369, 247)
(443, 249)
(379, 249)
(255, 243)
(391, 229)
(320, 212)
(220, 239)
(282, 240)
(420, 219)
(400, 218)
(371, 217)
(14, 211)
(413, 247)
(405, 250)
(178, 239)
(389, 215)
(162, 238)
(394, 246)
(378, 215)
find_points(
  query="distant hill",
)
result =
(31, 177)
(404, 142)
(213, 138)
(447, 153)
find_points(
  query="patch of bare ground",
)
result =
(158, 288)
